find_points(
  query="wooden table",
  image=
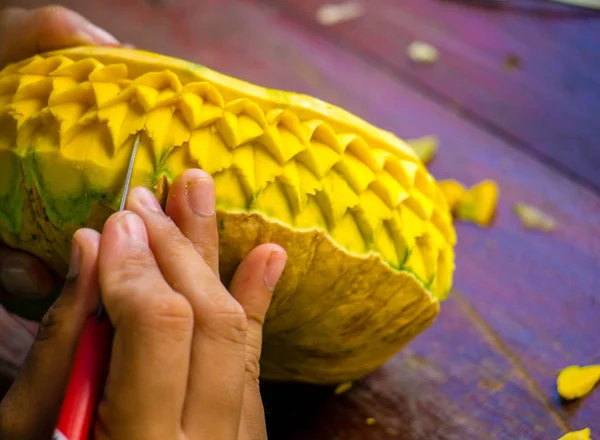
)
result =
(525, 304)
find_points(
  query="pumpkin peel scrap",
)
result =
(577, 381)
(367, 229)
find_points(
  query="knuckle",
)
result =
(226, 322)
(175, 236)
(136, 265)
(168, 313)
(52, 323)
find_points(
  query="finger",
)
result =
(191, 205)
(23, 275)
(27, 32)
(153, 327)
(31, 406)
(216, 382)
(15, 342)
(252, 286)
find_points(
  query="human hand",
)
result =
(24, 33)
(185, 352)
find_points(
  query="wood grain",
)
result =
(548, 106)
(529, 303)
(450, 384)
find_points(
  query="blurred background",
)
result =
(511, 92)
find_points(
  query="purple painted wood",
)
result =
(528, 303)
(548, 106)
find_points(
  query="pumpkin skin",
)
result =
(368, 232)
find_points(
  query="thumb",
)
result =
(252, 286)
(30, 408)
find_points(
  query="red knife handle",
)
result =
(86, 382)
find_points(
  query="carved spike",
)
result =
(340, 194)
(309, 181)
(114, 116)
(206, 91)
(9, 84)
(160, 80)
(371, 214)
(380, 156)
(178, 133)
(385, 244)
(443, 225)
(357, 146)
(79, 70)
(124, 97)
(146, 97)
(420, 204)
(62, 84)
(410, 223)
(245, 106)
(355, 171)
(109, 73)
(403, 246)
(290, 122)
(290, 180)
(401, 170)
(320, 158)
(425, 183)
(157, 125)
(324, 134)
(39, 90)
(44, 66)
(346, 232)
(388, 189)
(191, 107)
(24, 110)
(243, 162)
(228, 127)
(437, 238)
(284, 135)
(208, 148)
(105, 93)
(82, 93)
(198, 112)
(267, 168)
(67, 115)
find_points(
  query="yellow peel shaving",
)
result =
(342, 388)
(370, 420)
(575, 381)
(584, 434)
(454, 192)
(476, 205)
(422, 52)
(424, 147)
(479, 205)
(533, 218)
(333, 13)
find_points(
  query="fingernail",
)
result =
(147, 199)
(275, 265)
(18, 282)
(201, 196)
(75, 262)
(133, 228)
(98, 35)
